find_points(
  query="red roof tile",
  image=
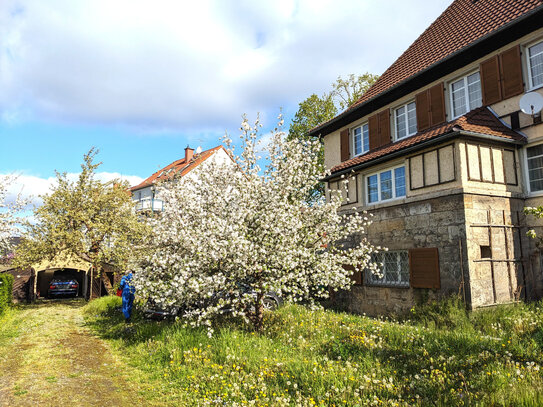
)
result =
(481, 121)
(179, 167)
(460, 25)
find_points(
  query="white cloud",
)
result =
(190, 65)
(30, 186)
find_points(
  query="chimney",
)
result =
(189, 152)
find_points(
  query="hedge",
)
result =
(6, 291)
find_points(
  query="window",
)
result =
(405, 119)
(361, 139)
(394, 269)
(535, 65)
(535, 167)
(466, 94)
(386, 185)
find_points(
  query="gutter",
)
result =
(424, 144)
(493, 45)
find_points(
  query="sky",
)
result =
(142, 80)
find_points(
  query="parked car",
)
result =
(271, 301)
(63, 285)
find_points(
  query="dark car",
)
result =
(271, 301)
(63, 286)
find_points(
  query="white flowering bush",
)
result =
(234, 232)
(8, 214)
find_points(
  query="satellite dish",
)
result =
(531, 103)
(198, 150)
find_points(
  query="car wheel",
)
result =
(269, 304)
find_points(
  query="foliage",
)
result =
(536, 212)
(6, 291)
(316, 110)
(227, 237)
(8, 215)
(92, 220)
(304, 357)
(102, 306)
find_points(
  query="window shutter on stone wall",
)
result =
(344, 148)
(379, 129)
(501, 76)
(430, 107)
(424, 268)
(511, 72)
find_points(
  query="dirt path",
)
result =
(49, 358)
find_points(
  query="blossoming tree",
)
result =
(235, 232)
(8, 214)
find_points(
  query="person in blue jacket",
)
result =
(127, 296)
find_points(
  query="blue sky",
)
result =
(141, 80)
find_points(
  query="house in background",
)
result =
(440, 152)
(145, 194)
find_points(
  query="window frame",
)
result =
(369, 277)
(408, 134)
(527, 171)
(393, 178)
(528, 70)
(466, 93)
(352, 139)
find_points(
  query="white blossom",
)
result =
(233, 233)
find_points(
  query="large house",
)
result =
(146, 196)
(445, 150)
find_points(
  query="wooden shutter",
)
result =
(511, 73)
(424, 268)
(373, 128)
(437, 104)
(356, 276)
(430, 107)
(490, 81)
(345, 148)
(384, 127)
(423, 108)
(379, 129)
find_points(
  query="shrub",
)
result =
(6, 291)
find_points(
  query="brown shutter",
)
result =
(511, 72)
(424, 268)
(344, 137)
(384, 127)
(490, 81)
(423, 107)
(373, 128)
(436, 95)
(356, 276)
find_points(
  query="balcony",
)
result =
(148, 204)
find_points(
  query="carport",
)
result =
(44, 278)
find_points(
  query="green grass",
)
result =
(441, 355)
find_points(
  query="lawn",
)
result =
(441, 355)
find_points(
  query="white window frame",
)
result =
(527, 172)
(408, 134)
(378, 173)
(528, 66)
(372, 280)
(466, 92)
(365, 149)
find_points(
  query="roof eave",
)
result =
(509, 32)
(436, 140)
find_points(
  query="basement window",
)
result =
(486, 252)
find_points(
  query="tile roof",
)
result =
(460, 25)
(480, 121)
(179, 167)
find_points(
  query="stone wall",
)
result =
(435, 222)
